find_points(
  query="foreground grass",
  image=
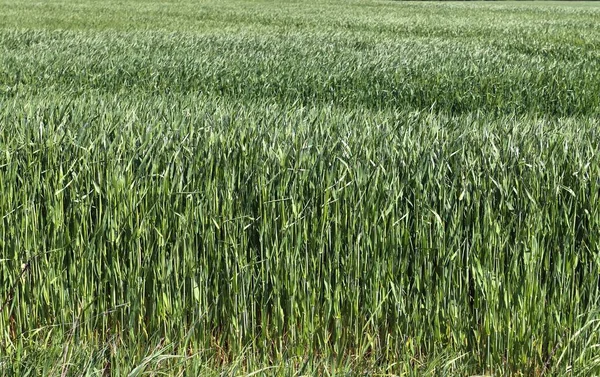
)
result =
(340, 188)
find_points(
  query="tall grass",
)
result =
(330, 197)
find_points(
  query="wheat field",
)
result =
(361, 187)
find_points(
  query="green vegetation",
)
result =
(299, 188)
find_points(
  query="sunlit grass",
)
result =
(237, 188)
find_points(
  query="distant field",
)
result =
(206, 188)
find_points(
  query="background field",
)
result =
(299, 188)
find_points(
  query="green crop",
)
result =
(299, 188)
